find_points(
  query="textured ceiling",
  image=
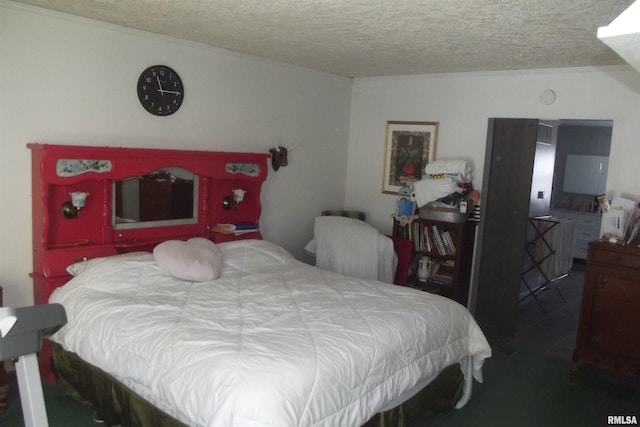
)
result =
(378, 37)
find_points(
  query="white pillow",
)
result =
(195, 260)
(79, 266)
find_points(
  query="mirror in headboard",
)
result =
(164, 197)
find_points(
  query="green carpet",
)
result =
(62, 410)
(526, 389)
(519, 390)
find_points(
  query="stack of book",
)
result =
(236, 229)
(432, 238)
(444, 242)
(443, 275)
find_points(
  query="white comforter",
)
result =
(272, 342)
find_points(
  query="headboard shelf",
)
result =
(180, 207)
(69, 245)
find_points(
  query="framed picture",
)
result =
(409, 146)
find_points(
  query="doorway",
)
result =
(522, 180)
(570, 165)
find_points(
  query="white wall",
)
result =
(67, 80)
(462, 103)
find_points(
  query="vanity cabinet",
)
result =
(609, 326)
(587, 229)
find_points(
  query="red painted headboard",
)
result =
(58, 170)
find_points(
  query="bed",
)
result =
(271, 342)
(266, 341)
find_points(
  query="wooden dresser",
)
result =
(609, 327)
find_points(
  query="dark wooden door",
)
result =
(502, 230)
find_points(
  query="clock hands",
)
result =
(169, 91)
(160, 86)
(163, 91)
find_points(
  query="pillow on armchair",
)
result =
(404, 252)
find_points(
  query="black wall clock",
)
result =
(160, 90)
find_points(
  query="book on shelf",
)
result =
(418, 242)
(236, 229)
(437, 238)
(246, 226)
(427, 239)
(449, 244)
(402, 231)
(441, 279)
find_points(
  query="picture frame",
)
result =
(409, 147)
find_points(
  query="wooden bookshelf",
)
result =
(450, 246)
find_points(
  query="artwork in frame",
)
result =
(409, 146)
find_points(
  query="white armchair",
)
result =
(353, 247)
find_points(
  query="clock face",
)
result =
(160, 90)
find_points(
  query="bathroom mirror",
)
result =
(164, 197)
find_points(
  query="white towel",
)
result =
(561, 239)
(462, 168)
(354, 248)
(428, 190)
